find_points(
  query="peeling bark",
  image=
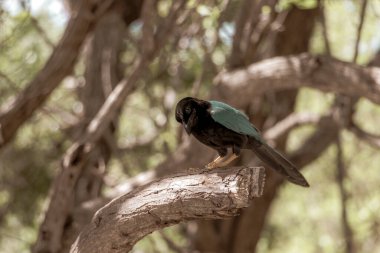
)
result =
(205, 194)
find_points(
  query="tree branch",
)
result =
(205, 194)
(171, 244)
(291, 121)
(41, 31)
(61, 62)
(340, 178)
(320, 72)
(10, 82)
(322, 18)
(372, 139)
(77, 155)
(359, 30)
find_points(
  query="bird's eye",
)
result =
(188, 110)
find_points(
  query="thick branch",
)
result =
(59, 65)
(215, 194)
(73, 163)
(78, 154)
(320, 72)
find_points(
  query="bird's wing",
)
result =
(233, 119)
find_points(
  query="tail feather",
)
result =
(278, 162)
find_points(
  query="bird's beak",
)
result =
(187, 128)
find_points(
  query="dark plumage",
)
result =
(223, 127)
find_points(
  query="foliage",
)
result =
(307, 220)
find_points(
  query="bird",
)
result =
(225, 128)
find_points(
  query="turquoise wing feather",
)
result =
(233, 119)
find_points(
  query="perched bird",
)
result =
(222, 127)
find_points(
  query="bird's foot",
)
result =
(227, 160)
(221, 162)
(211, 165)
(214, 164)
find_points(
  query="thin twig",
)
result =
(11, 83)
(291, 121)
(242, 18)
(372, 139)
(275, 27)
(73, 162)
(171, 244)
(169, 24)
(20, 108)
(322, 18)
(341, 175)
(148, 16)
(359, 30)
(153, 243)
(103, 7)
(41, 31)
(261, 26)
(37, 26)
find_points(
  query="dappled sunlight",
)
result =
(91, 145)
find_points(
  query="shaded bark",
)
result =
(206, 194)
(304, 70)
(60, 64)
(292, 40)
(76, 157)
(103, 73)
(253, 26)
(242, 233)
(344, 196)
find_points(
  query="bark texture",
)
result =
(76, 157)
(215, 194)
(59, 65)
(242, 233)
(103, 73)
(79, 178)
(303, 70)
(293, 39)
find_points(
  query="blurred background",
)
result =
(66, 56)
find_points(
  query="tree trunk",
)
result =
(58, 66)
(242, 233)
(103, 73)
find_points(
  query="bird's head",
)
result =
(188, 110)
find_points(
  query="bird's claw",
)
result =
(221, 162)
(211, 165)
(214, 164)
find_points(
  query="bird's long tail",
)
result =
(278, 162)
